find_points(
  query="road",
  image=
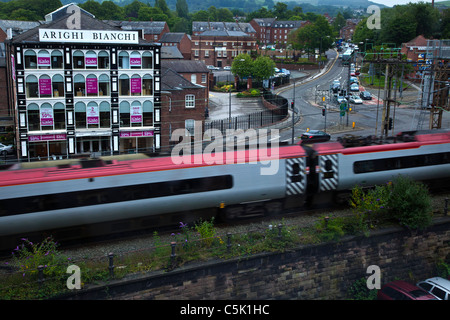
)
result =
(366, 117)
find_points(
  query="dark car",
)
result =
(365, 95)
(402, 290)
(313, 136)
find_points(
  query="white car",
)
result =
(354, 87)
(355, 99)
(213, 68)
(227, 68)
(6, 149)
(437, 286)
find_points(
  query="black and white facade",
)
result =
(90, 91)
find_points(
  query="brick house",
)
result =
(218, 48)
(347, 31)
(180, 40)
(272, 31)
(198, 27)
(415, 50)
(182, 103)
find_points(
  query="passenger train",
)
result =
(76, 198)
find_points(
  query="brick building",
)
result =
(151, 31)
(180, 40)
(218, 48)
(347, 31)
(272, 31)
(415, 50)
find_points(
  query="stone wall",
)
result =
(324, 271)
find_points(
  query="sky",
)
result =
(391, 3)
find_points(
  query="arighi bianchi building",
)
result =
(84, 87)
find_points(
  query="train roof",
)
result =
(58, 170)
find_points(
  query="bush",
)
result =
(359, 291)
(410, 203)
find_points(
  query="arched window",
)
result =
(124, 85)
(32, 87)
(33, 117)
(124, 60)
(45, 86)
(46, 117)
(147, 60)
(136, 85)
(78, 60)
(124, 110)
(80, 115)
(90, 60)
(58, 86)
(43, 59)
(91, 85)
(147, 113)
(30, 59)
(103, 60)
(105, 115)
(136, 114)
(135, 60)
(92, 115)
(57, 59)
(59, 113)
(103, 85)
(79, 85)
(147, 85)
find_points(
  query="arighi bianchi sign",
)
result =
(88, 36)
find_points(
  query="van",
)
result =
(437, 286)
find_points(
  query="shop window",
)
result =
(46, 116)
(59, 114)
(91, 85)
(43, 59)
(124, 110)
(57, 59)
(30, 59)
(90, 60)
(103, 60)
(32, 87)
(147, 114)
(124, 60)
(147, 85)
(79, 85)
(45, 86)
(135, 60)
(33, 117)
(147, 60)
(92, 115)
(136, 114)
(78, 60)
(103, 85)
(136, 85)
(58, 86)
(124, 85)
(80, 115)
(105, 115)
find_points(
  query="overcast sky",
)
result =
(391, 3)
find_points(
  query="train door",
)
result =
(296, 176)
(328, 172)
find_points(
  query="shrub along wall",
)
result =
(324, 271)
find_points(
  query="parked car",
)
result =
(313, 136)
(354, 87)
(402, 290)
(437, 286)
(227, 68)
(335, 86)
(213, 68)
(355, 99)
(365, 95)
(6, 149)
(341, 99)
(353, 80)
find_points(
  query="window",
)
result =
(80, 115)
(206, 53)
(204, 78)
(33, 117)
(103, 85)
(135, 60)
(189, 125)
(79, 85)
(58, 86)
(194, 78)
(147, 60)
(57, 59)
(78, 60)
(438, 293)
(136, 85)
(32, 87)
(124, 85)
(190, 101)
(124, 110)
(44, 61)
(147, 85)
(59, 114)
(30, 59)
(91, 60)
(103, 60)
(136, 114)
(124, 60)
(105, 115)
(46, 117)
(91, 86)
(45, 86)
(196, 53)
(147, 113)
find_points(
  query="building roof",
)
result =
(419, 41)
(224, 33)
(172, 37)
(17, 27)
(149, 27)
(173, 81)
(288, 24)
(62, 11)
(185, 66)
(87, 22)
(264, 22)
(170, 52)
(201, 26)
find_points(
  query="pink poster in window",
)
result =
(136, 85)
(135, 62)
(91, 85)
(92, 115)
(45, 87)
(46, 116)
(43, 61)
(91, 62)
(136, 114)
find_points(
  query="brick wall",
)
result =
(323, 271)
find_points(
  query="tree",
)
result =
(132, 9)
(161, 4)
(182, 9)
(263, 68)
(150, 13)
(339, 22)
(242, 65)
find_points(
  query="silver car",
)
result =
(6, 149)
(437, 286)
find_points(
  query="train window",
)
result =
(114, 194)
(328, 165)
(295, 168)
(401, 162)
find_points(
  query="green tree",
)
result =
(161, 4)
(263, 67)
(242, 65)
(132, 9)
(150, 13)
(339, 22)
(182, 9)
(111, 11)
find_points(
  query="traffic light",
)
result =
(390, 124)
(292, 105)
(323, 111)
